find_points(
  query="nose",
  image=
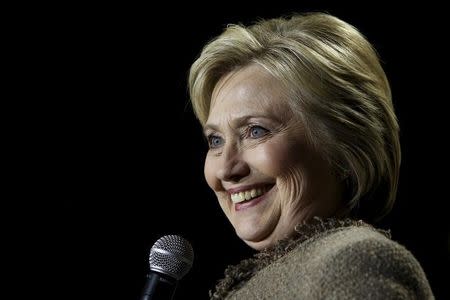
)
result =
(233, 166)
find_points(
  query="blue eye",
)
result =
(257, 132)
(214, 141)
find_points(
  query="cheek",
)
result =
(285, 162)
(209, 172)
(276, 159)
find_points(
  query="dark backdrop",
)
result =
(128, 165)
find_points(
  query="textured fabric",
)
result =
(329, 260)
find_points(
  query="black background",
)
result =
(125, 152)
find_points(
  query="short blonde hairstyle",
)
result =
(334, 81)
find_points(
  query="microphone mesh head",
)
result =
(171, 255)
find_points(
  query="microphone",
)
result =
(171, 258)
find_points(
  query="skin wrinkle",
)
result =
(281, 157)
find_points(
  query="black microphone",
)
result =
(171, 258)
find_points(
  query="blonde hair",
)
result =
(334, 81)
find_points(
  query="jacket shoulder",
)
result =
(376, 266)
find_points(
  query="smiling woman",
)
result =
(303, 155)
(260, 158)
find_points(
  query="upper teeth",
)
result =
(246, 195)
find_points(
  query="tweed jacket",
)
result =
(330, 259)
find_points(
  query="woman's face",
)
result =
(265, 174)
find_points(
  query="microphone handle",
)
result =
(158, 287)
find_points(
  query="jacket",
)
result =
(328, 259)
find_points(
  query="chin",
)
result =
(256, 239)
(260, 245)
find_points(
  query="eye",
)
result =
(257, 131)
(214, 141)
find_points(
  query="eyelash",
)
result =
(210, 138)
(247, 134)
(253, 127)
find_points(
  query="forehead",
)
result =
(249, 89)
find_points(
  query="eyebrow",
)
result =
(237, 122)
(210, 127)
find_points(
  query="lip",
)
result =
(247, 187)
(255, 201)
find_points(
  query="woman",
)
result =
(303, 146)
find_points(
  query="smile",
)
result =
(248, 194)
